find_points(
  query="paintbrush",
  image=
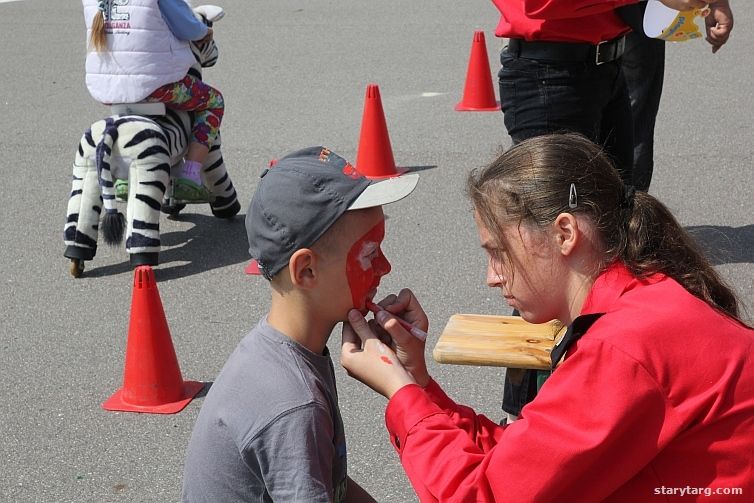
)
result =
(415, 331)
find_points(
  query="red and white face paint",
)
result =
(365, 265)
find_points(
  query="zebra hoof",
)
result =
(227, 212)
(138, 259)
(76, 268)
(172, 209)
(79, 252)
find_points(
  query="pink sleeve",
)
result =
(599, 404)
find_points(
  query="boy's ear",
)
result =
(302, 268)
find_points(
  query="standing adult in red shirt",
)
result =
(655, 392)
(561, 71)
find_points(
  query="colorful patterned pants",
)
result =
(193, 95)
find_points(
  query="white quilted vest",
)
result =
(143, 54)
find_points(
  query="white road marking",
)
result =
(411, 97)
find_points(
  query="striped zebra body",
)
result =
(142, 150)
(129, 147)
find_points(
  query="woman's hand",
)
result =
(408, 349)
(407, 306)
(366, 358)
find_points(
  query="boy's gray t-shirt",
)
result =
(270, 428)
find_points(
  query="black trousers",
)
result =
(540, 97)
(644, 68)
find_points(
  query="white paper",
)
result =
(669, 24)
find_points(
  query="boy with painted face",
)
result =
(270, 427)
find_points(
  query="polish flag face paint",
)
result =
(365, 265)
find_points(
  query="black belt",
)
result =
(604, 52)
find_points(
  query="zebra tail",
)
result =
(113, 221)
(113, 228)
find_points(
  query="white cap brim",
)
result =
(386, 191)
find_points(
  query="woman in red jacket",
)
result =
(655, 392)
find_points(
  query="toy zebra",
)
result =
(140, 143)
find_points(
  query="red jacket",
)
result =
(657, 396)
(591, 21)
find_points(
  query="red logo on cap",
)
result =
(351, 172)
(324, 154)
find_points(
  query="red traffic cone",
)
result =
(253, 268)
(375, 156)
(478, 94)
(152, 379)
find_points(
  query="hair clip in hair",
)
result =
(573, 197)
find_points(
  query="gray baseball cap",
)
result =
(302, 195)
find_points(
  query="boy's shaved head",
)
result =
(337, 240)
(343, 268)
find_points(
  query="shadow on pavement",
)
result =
(416, 169)
(209, 244)
(725, 245)
(205, 389)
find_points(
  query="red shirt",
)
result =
(591, 21)
(658, 394)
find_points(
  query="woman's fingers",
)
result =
(408, 349)
(407, 307)
(391, 325)
(350, 340)
(387, 301)
(365, 357)
(399, 302)
(381, 334)
(360, 326)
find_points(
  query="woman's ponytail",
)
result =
(655, 242)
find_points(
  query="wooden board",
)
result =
(503, 341)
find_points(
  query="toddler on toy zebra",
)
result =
(130, 156)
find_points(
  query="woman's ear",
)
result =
(566, 232)
(302, 267)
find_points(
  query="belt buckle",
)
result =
(598, 60)
(618, 46)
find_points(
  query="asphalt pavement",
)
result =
(293, 74)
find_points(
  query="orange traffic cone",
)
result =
(152, 379)
(253, 268)
(478, 94)
(375, 156)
